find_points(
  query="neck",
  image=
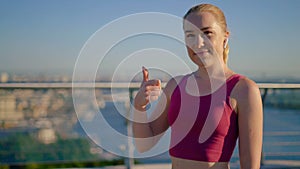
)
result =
(213, 72)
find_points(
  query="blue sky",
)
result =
(47, 36)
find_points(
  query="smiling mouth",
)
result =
(201, 53)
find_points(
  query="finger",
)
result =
(145, 74)
(152, 88)
(153, 82)
(155, 93)
(152, 92)
(153, 98)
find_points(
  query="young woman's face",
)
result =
(204, 38)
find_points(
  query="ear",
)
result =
(226, 39)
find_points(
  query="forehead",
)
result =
(200, 20)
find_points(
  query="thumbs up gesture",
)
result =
(149, 91)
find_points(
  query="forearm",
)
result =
(141, 128)
(250, 154)
(250, 163)
(142, 132)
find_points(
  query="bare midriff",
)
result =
(179, 163)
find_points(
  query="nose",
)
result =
(199, 41)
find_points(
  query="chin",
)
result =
(200, 64)
(205, 64)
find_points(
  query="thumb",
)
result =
(145, 74)
(159, 83)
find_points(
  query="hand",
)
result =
(150, 90)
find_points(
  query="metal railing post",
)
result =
(129, 162)
(264, 96)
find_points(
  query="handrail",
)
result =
(124, 85)
(279, 85)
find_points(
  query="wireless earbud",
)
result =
(226, 42)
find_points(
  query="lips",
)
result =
(201, 52)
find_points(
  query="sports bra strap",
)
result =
(232, 81)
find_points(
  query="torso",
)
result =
(190, 88)
(179, 163)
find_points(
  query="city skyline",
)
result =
(44, 37)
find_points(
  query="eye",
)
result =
(208, 33)
(190, 35)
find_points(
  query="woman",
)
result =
(208, 109)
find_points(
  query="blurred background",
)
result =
(41, 41)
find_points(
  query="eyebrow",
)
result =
(202, 29)
(205, 28)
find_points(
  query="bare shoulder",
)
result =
(246, 87)
(247, 95)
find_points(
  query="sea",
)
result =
(281, 138)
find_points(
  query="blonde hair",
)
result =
(220, 17)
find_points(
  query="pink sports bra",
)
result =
(203, 128)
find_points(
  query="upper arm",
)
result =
(250, 121)
(159, 117)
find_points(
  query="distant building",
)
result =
(4, 77)
(47, 135)
(9, 115)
